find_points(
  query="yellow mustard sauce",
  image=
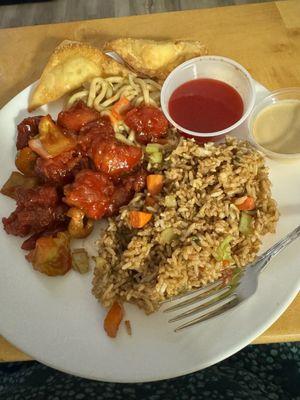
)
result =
(277, 127)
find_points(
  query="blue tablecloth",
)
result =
(257, 372)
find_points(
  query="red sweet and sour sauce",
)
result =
(205, 105)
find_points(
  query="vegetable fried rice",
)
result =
(198, 231)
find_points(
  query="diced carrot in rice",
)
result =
(155, 184)
(138, 219)
(245, 203)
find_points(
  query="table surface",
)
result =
(49, 12)
(265, 38)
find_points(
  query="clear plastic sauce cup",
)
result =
(212, 67)
(282, 130)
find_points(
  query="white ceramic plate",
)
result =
(58, 322)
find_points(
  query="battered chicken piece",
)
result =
(77, 116)
(155, 58)
(71, 64)
(91, 192)
(114, 158)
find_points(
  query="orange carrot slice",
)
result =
(155, 183)
(117, 111)
(138, 219)
(225, 263)
(247, 205)
(120, 107)
(113, 319)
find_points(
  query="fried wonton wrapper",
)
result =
(70, 65)
(155, 58)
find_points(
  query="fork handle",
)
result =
(279, 246)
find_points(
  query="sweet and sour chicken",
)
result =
(72, 172)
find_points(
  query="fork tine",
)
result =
(195, 299)
(227, 306)
(203, 307)
(202, 289)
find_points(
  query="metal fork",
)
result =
(215, 299)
